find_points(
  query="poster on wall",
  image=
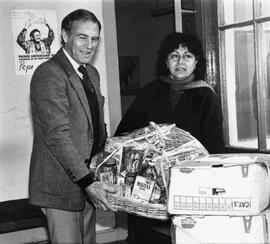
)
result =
(129, 75)
(34, 38)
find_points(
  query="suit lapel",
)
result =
(74, 80)
(76, 83)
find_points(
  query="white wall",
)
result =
(111, 57)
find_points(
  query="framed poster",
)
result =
(129, 71)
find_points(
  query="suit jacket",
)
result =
(63, 133)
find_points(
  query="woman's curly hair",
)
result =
(172, 42)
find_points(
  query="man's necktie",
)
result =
(86, 80)
(93, 104)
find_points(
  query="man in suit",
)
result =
(69, 129)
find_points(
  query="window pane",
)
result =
(266, 71)
(237, 10)
(239, 71)
(264, 8)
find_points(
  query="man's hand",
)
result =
(96, 159)
(97, 192)
(44, 21)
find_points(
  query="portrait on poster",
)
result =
(34, 37)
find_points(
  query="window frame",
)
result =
(256, 22)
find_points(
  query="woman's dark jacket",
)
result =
(197, 111)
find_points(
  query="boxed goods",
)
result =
(221, 229)
(220, 184)
(139, 161)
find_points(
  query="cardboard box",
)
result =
(221, 229)
(220, 184)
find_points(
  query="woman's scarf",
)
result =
(186, 84)
(178, 87)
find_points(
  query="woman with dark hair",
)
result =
(179, 95)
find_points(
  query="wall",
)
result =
(139, 34)
(111, 53)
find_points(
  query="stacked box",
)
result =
(222, 229)
(216, 187)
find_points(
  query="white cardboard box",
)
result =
(220, 184)
(221, 229)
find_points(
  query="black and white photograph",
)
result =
(135, 122)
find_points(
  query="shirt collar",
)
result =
(74, 64)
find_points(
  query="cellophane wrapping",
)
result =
(138, 163)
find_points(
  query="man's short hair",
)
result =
(79, 14)
(33, 32)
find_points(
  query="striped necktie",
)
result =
(86, 80)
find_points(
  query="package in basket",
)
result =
(139, 161)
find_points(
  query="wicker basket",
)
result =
(170, 145)
(149, 210)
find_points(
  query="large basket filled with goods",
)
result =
(139, 161)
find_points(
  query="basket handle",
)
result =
(157, 131)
